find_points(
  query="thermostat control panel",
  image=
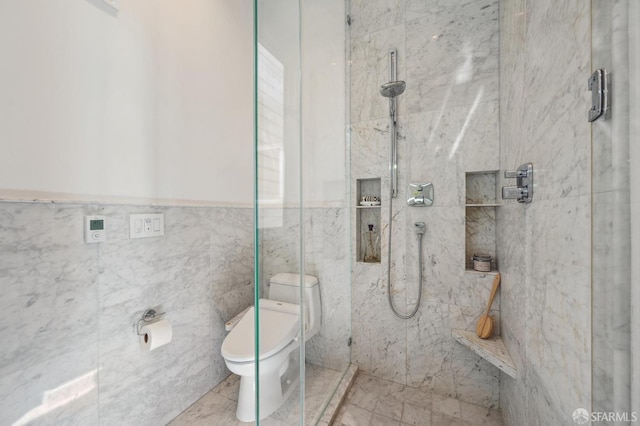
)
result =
(94, 229)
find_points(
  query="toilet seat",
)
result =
(277, 329)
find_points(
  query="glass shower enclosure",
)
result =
(615, 210)
(301, 187)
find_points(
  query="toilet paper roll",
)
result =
(155, 335)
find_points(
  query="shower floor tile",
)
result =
(218, 406)
(372, 401)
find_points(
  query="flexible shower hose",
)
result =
(393, 308)
(420, 234)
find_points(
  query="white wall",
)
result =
(323, 100)
(154, 101)
(315, 101)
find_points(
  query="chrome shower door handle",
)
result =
(598, 86)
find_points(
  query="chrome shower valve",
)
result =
(523, 189)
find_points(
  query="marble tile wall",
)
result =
(70, 354)
(544, 248)
(448, 125)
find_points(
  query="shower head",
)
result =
(392, 89)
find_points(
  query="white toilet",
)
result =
(279, 342)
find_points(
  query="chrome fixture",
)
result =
(420, 228)
(148, 316)
(422, 194)
(598, 86)
(523, 190)
(392, 90)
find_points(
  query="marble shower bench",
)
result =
(493, 349)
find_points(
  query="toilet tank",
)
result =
(285, 287)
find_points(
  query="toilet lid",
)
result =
(277, 329)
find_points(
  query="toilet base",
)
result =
(275, 388)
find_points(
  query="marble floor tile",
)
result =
(218, 407)
(444, 420)
(228, 388)
(212, 408)
(416, 415)
(389, 406)
(372, 401)
(352, 415)
(367, 390)
(380, 420)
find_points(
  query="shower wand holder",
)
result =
(421, 195)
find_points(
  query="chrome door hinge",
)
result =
(598, 85)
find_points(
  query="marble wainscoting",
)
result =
(70, 353)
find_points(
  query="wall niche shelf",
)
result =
(368, 241)
(492, 272)
(492, 350)
(481, 199)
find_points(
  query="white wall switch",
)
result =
(146, 225)
(94, 229)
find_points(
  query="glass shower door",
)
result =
(278, 202)
(302, 214)
(615, 211)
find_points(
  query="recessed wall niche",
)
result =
(480, 216)
(368, 204)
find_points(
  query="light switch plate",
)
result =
(146, 225)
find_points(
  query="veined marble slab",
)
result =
(492, 349)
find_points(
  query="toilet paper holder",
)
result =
(148, 316)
